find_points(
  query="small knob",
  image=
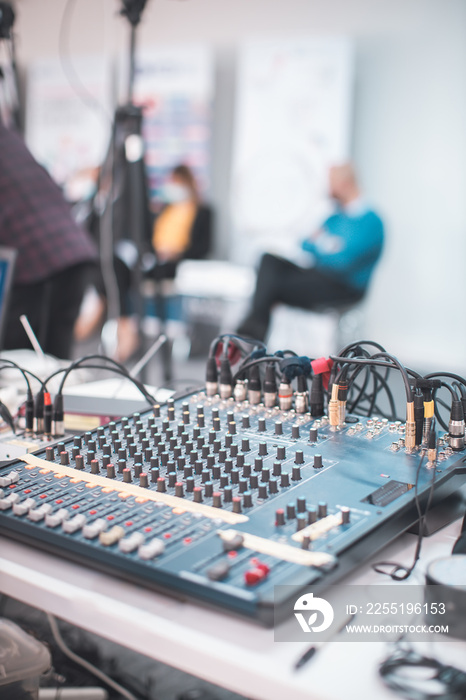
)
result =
(284, 480)
(295, 432)
(247, 499)
(296, 473)
(278, 428)
(217, 500)
(49, 454)
(95, 467)
(208, 489)
(179, 489)
(228, 494)
(245, 423)
(301, 504)
(262, 493)
(281, 452)
(313, 435)
(161, 487)
(143, 480)
(127, 478)
(110, 471)
(64, 458)
(322, 509)
(122, 465)
(261, 425)
(253, 481)
(236, 504)
(262, 449)
(300, 523)
(290, 511)
(273, 486)
(279, 517)
(317, 462)
(79, 462)
(345, 515)
(299, 457)
(190, 484)
(197, 495)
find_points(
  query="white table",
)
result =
(223, 650)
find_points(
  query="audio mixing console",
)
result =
(220, 501)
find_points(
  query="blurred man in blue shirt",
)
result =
(339, 259)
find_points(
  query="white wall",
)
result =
(409, 131)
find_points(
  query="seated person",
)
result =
(342, 255)
(183, 227)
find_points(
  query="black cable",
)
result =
(448, 682)
(78, 87)
(407, 571)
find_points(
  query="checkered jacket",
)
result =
(34, 217)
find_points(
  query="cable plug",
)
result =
(285, 394)
(301, 395)
(432, 445)
(47, 414)
(342, 397)
(225, 384)
(270, 386)
(418, 416)
(29, 412)
(39, 412)
(240, 392)
(211, 377)
(456, 426)
(333, 409)
(254, 385)
(58, 416)
(410, 434)
(316, 401)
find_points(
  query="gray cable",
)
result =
(85, 664)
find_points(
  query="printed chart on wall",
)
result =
(69, 117)
(175, 86)
(292, 121)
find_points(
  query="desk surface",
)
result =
(229, 652)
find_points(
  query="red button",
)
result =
(75, 506)
(254, 576)
(187, 540)
(92, 512)
(110, 517)
(43, 495)
(27, 490)
(12, 486)
(147, 529)
(232, 554)
(58, 501)
(167, 535)
(129, 523)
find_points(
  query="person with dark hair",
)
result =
(54, 253)
(338, 260)
(183, 229)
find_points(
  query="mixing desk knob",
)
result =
(90, 456)
(245, 445)
(299, 457)
(143, 480)
(208, 489)
(253, 481)
(246, 469)
(64, 458)
(154, 474)
(110, 471)
(279, 517)
(301, 504)
(273, 486)
(317, 462)
(228, 494)
(261, 426)
(284, 480)
(190, 484)
(95, 468)
(300, 523)
(295, 432)
(243, 485)
(217, 499)
(137, 469)
(281, 452)
(179, 489)
(258, 464)
(322, 509)
(127, 478)
(49, 454)
(278, 428)
(236, 504)
(277, 469)
(265, 475)
(262, 493)
(122, 466)
(345, 515)
(262, 449)
(197, 494)
(79, 462)
(172, 477)
(313, 435)
(296, 473)
(290, 511)
(247, 499)
(245, 422)
(224, 481)
(151, 549)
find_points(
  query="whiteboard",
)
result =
(293, 120)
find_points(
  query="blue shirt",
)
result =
(349, 245)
